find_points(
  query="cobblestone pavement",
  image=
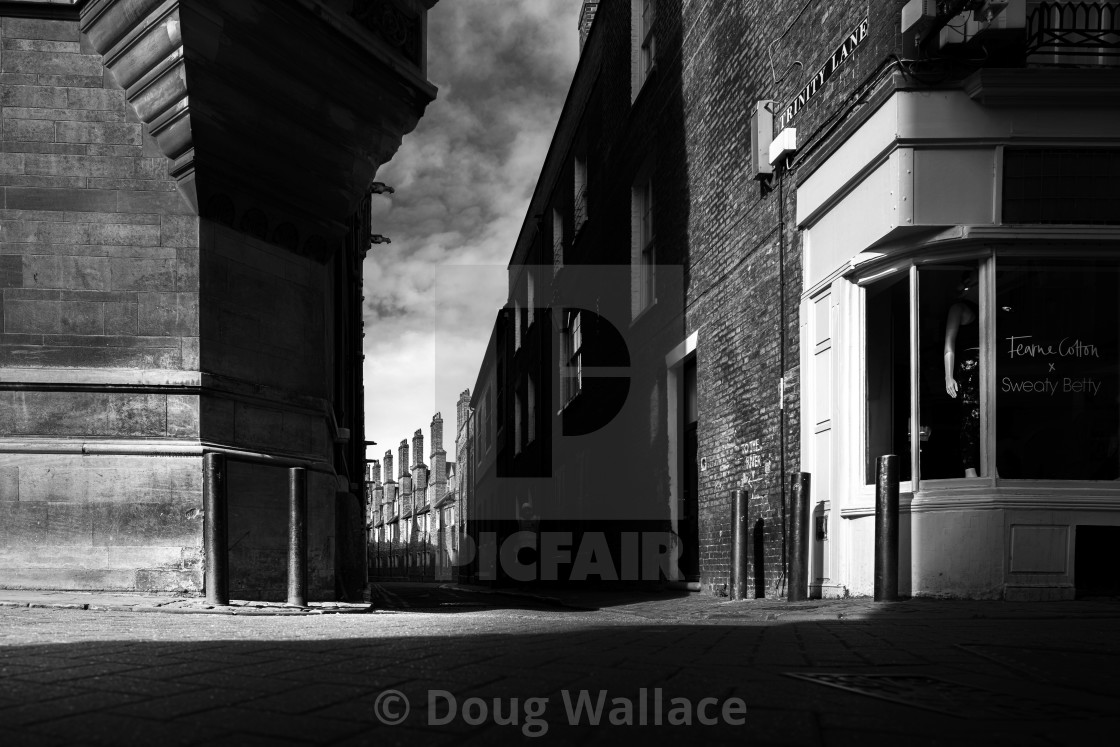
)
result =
(835, 673)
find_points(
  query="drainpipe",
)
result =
(782, 360)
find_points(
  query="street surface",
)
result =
(845, 672)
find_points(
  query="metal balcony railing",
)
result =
(1074, 34)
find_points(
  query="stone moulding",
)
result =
(284, 106)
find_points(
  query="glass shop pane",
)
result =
(1057, 393)
(949, 385)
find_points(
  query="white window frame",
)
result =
(516, 324)
(531, 297)
(517, 429)
(557, 239)
(571, 367)
(643, 248)
(643, 43)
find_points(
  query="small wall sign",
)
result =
(824, 72)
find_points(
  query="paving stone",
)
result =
(331, 669)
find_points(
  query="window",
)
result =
(531, 298)
(516, 325)
(1018, 370)
(571, 373)
(643, 255)
(557, 239)
(518, 430)
(579, 204)
(1057, 331)
(647, 41)
(531, 397)
(500, 396)
(484, 426)
(643, 14)
(1062, 185)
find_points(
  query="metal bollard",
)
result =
(297, 536)
(798, 589)
(740, 527)
(886, 529)
(215, 528)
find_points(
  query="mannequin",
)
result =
(962, 331)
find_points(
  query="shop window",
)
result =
(1049, 329)
(888, 373)
(952, 370)
(1056, 378)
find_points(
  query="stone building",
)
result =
(749, 236)
(460, 485)
(184, 216)
(410, 521)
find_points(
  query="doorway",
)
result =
(687, 511)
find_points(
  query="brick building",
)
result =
(413, 520)
(184, 218)
(770, 237)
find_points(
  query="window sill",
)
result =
(644, 312)
(1009, 495)
(644, 84)
(571, 400)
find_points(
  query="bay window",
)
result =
(996, 367)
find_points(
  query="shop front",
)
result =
(962, 311)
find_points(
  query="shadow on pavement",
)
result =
(501, 675)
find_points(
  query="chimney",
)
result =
(418, 447)
(374, 476)
(439, 461)
(462, 410)
(402, 452)
(437, 433)
(586, 17)
(388, 461)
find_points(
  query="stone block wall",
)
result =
(98, 331)
(265, 341)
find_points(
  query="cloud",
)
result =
(463, 181)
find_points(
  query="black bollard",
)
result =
(297, 537)
(740, 529)
(798, 589)
(886, 530)
(216, 533)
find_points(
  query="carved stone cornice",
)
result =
(275, 114)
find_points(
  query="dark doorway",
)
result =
(1094, 574)
(687, 512)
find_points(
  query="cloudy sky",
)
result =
(463, 180)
